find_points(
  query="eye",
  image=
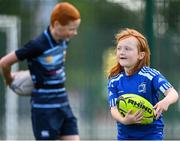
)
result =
(127, 48)
(118, 48)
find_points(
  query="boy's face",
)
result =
(66, 32)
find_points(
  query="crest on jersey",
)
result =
(142, 88)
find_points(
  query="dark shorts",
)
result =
(50, 124)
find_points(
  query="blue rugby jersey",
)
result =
(45, 60)
(148, 83)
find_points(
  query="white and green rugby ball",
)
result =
(22, 84)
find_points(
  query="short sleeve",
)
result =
(160, 83)
(112, 92)
(30, 50)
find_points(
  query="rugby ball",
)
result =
(22, 84)
(135, 102)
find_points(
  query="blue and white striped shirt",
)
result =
(46, 60)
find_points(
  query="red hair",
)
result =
(142, 47)
(64, 12)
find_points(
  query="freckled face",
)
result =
(127, 52)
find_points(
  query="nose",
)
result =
(75, 32)
(121, 51)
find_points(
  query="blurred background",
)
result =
(89, 57)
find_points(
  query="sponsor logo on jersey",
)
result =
(49, 59)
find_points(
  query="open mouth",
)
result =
(122, 58)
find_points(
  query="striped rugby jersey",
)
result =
(148, 83)
(45, 60)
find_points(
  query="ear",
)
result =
(141, 55)
(57, 24)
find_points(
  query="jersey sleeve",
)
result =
(30, 50)
(160, 83)
(112, 93)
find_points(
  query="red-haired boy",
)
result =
(52, 117)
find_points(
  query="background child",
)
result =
(52, 117)
(132, 74)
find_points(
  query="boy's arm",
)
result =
(5, 65)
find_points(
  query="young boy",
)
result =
(52, 118)
(132, 74)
